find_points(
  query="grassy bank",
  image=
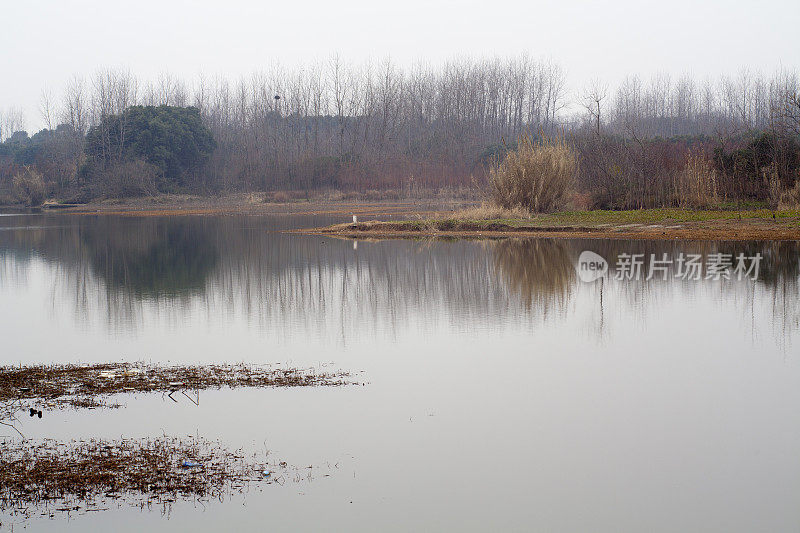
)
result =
(713, 224)
(646, 216)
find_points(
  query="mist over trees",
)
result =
(334, 125)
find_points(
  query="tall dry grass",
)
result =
(538, 176)
(28, 187)
(790, 198)
(780, 197)
(696, 184)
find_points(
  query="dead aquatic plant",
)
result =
(11, 410)
(82, 385)
(8, 415)
(163, 469)
(87, 402)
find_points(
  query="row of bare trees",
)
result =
(665, 107)
(339, 125)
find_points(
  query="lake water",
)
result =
(501, 391)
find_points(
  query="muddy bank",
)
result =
(255, 204)
(704, 230)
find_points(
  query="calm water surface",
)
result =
(502, 393)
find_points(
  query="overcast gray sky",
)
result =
(43, 43)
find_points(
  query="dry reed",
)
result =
(790, 198)
(696, 184)
(539, 176)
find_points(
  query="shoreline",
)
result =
(749, 229)
(425, 218)
(252, 204)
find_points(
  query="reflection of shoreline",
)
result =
(133, 274)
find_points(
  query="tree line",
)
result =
(336, 125)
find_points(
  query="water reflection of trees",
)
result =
(134, 270)
(146, 257)
(775, 295)
(151, 258)
(541, 272)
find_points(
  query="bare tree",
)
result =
(592, 100)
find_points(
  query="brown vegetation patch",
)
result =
(539, 175)
(68, 476)
(81, 385)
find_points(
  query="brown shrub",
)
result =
(255, 198)
(579, 201)
(280, 197)
(538, 176)
(790, 198)
(28, 187)
(131, 178)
